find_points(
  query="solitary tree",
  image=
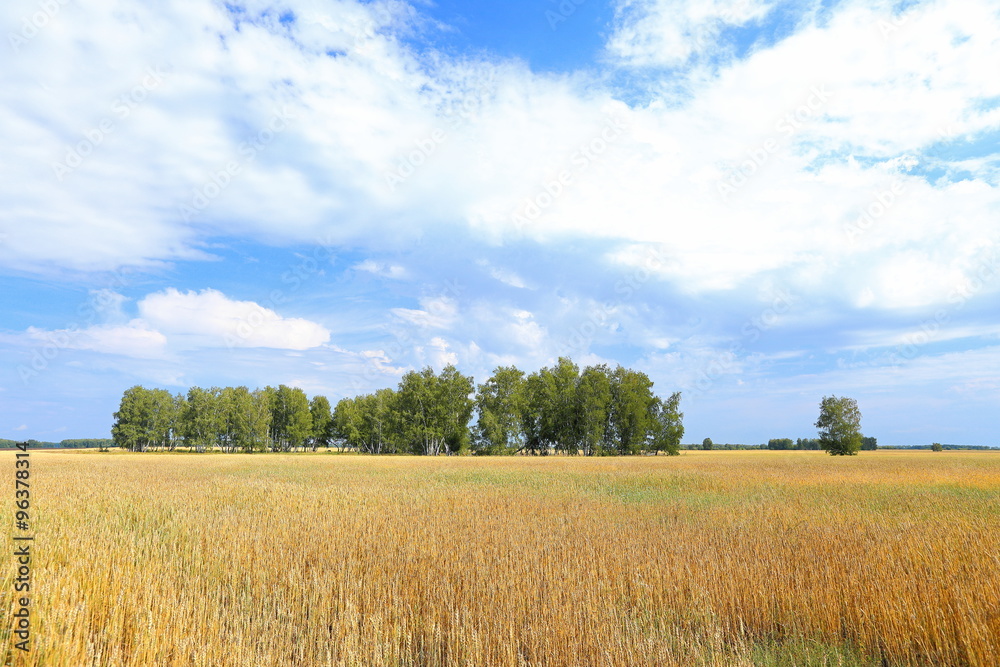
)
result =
(839, 425)
(707, 443)
(936, 447)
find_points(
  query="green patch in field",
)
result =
(805, 653)
(688, 490)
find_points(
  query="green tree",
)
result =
(146, 419)
(780, 443)
(592, 411)
(261, 401)
(707, 443)
(420, 416)
(499, 404)
(631, 410)
(236, 405)
(366, 423)
(203, 421)
(839, 425)
(380, 419)
(807, 443)
(455, 397)
(291, 421)
(434, 410)
(667, 425)
(563, 424)
(869, 444)
(322, 422)
(937, 447)
(536, 415)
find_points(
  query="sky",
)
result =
(756, 203)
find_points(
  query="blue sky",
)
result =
(756, 203)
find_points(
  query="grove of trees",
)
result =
(594, 411)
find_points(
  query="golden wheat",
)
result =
(728, 558)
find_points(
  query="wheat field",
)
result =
(710, 558)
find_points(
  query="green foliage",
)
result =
(558, 409)
(869, 444)
(291, 421)
(500, 404)
(146, 419)
(322, 422)
(808, 443)
(668, 425)
(780, 443)
(203, 419)
(87, 443)
(434, 411)
(839, 425)
(593, 408)
(937, 447)
(707, 444)
(631, 410)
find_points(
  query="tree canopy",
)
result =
(560, 409)
(839, 425)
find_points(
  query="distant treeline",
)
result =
(942, 447)
(778, 444)
(867, 443)
(599, 410)
(80, 443)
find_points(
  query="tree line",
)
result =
(868, 443)
(76, 443)
(598, 410)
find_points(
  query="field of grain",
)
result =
(727, 558)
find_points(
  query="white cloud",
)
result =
(135, 339)
(506, 276)
(508, 135)
(393, 271)
(666, 33)
(211, 318)
(435, 313)
(439, 354)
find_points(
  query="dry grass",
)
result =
(728, 558)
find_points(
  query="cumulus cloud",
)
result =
(210, 317)
(172, 321)
(758, 170)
